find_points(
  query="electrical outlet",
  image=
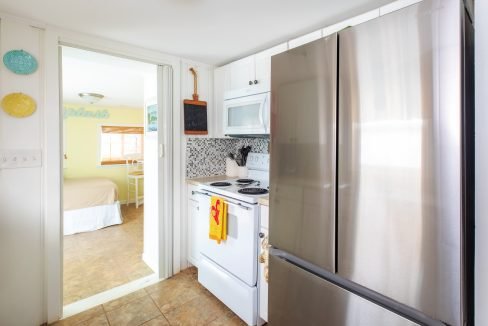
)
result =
(15, 159)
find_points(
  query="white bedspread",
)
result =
(91, 218)
(90, 204)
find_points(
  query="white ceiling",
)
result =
(121, 81)
(210, 31)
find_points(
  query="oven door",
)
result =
(247, 115)
(237, 254)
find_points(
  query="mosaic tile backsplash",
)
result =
(206, 156)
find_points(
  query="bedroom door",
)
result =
(157, 166)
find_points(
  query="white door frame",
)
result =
(53, 235)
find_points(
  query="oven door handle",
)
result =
(225, 201)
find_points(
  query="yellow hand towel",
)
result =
(218, 219)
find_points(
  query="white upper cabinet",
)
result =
(310, 37)
(250, 75)
(218, 116)
(263, 67)
(240, 74)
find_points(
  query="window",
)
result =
(116, 142)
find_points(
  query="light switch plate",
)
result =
(15, 159)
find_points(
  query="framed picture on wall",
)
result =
(151, 117)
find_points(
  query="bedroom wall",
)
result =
(82, 144)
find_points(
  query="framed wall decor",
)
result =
(151, 111)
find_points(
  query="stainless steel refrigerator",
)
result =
(371, 181)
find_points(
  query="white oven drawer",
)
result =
(238, 296)
(237, 254)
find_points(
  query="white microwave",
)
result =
(247, 115)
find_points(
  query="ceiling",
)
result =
(121, 81)
(209, 31)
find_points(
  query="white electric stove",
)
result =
(230, 269)
(248, 189)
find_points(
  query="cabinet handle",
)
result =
(255, 82)
(261, 235)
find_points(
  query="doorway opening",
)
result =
(111, 223)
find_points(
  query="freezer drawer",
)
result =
(297, 297)
(303, 142)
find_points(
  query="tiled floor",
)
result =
(101, 260)
(179, 300)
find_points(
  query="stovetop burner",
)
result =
(244, 181)
(220, 184)
(253, 191)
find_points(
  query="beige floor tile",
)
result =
(159, 321)
(111, 305)
(134, 313)
(97, 321)
(199, 311)
(183, 300)
(82, 317)
(229, 319)
(101, 260)
(173, 293)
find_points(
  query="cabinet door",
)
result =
(238, 76)
(193, 236)
(263, 67)
(218, 114)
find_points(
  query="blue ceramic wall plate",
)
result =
(20, 62)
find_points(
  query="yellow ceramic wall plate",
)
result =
(19, 105)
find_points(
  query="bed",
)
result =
(90, 204)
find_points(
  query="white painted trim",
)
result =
(165, 99)
(53, 149)
(109, 295)
(53, 142)
(397, 5)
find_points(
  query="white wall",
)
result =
(21, 199)
(30, 224)
(481, 64)
(205, 92)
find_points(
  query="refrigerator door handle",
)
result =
(375, 297)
